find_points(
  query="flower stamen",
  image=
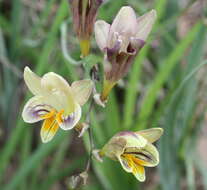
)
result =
(59, 118)
(132, 161)
(54, 114)
(49, 115)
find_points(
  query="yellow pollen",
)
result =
(129, 160)
(49, 115)
(133, 161)
(59, 116)
(54, 114)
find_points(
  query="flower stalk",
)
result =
(90, 133)
(107, 86)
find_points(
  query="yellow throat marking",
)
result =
(134, 163)
(53, 116)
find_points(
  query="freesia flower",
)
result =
(84, 15)
(134, 150)
(54, 101)
(121, 41)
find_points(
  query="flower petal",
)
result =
(129, 165)
(60, 89)
(52, 82)
(125, 163)
(151, 135)
(147, 156)
(119, 142)
(39, 105)
(132, 139)
(154, 154)
(125, 22)
(82, 90)
(144, 24)
(139, 172)
(32, 81)
(36, 107)
(69, 121)
(49, 129)
(114, 148)
(101, 33)
(61, 101)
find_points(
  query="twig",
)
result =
(88, 120)
(5, 62)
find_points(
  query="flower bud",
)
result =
(84, 15)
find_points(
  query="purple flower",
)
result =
(121, 42)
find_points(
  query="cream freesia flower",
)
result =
(134, 150)
(121, 42)
(54, 101)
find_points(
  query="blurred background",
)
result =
(166, 87)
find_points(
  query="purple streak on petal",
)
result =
(68, 121)
(36, 111)
(113, 52)
(141, 153)
(137, 43)
(125, 133)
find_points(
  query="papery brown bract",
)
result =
(77, 181)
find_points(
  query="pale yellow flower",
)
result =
(134, 150)
(54, 101)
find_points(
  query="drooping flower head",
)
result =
(134, 150)
(84, 15)
(54, 101)
(121, 41)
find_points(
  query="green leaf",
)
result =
(162, 76)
